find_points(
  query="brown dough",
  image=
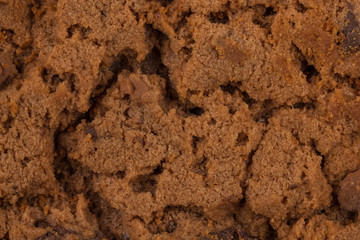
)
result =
(179, 119)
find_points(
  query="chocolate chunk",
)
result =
(349, 193)
(134, 86)
(91, 130)
(124, 236)
(352, 33)
(7, 69)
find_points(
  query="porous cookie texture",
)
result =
(179, 119)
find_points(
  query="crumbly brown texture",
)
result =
(179, 119)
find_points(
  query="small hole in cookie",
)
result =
(76, 27)
(71, 31)
(44, 75)
(242, 139)
(228, 88)
(7, 124)
(41, 224)
(164, 3)
(159, 169)
(306, 68)
(219, 17)
(352, 216)
(247, 99)
(291, 221)
(184, 20)
(235, 236)
(200, 168)
(144, 183)
(152, 62)
(56, 79)
(120, 174)
(284, 200)
(212, 121)
(126, 113)
(25, 162)
(229, 233)
(308, 195)
(126, 97)
(304, 105)
(196, 111)
(300, 7)
(194, 143)
(269, 11)
(309, 71)
(122, 62)
(232, 109)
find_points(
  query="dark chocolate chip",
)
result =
(349, 193)
(91, 130)
(352, 33)
(124, 236)
(171, 226)
(7, 70)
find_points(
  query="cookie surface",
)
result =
(179, 119)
